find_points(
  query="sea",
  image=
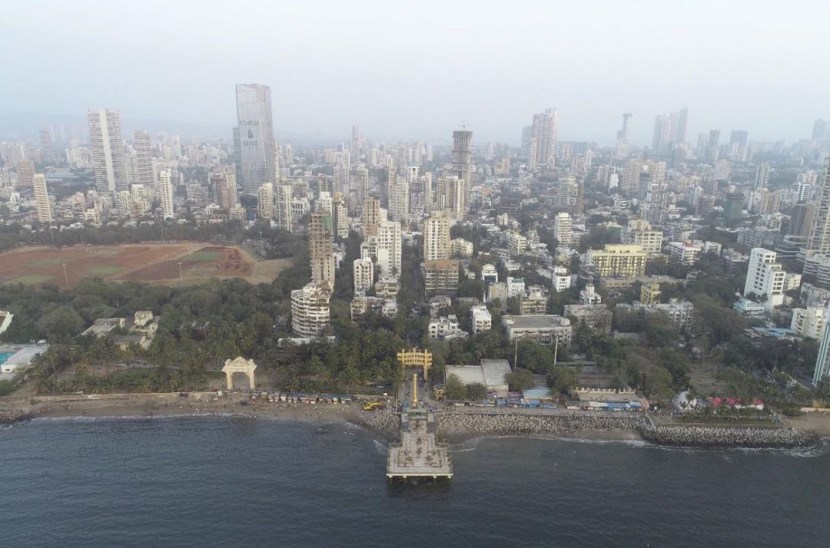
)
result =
(236, 481)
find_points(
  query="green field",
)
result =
(32, 279)
(204, 256)
(104, 270)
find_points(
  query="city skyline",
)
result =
(322, 88)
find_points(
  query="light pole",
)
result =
(180, 271)
(65, 275)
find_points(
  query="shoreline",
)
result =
(453, 428)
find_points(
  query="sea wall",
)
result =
(715, 437)
(456, 426)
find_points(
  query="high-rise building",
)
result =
(820, 129)
(449, 195)
(143, 146)
(398, 199)
(265, 201)
(819, 240)
(761, 176)
(107, 147)
(320, 247)
(563, 229)
(437, 238)
(283, 210)
(765, 278)
(25, 174)
(389, 249)
(462, 162)
(617, 260)
(310, 312)
(255, 143)
(44, 207)
(543, 136)
(166, 193)
(669, 129)
(361, 184)
(802, 219)
(223, 189)
(364, 275)
(371, 217)
(622, 134)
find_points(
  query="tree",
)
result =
(61, 324)
(660, 384)
(660, 331)
(476, 392)
(520, 380)
(454, 389)
(561, 379)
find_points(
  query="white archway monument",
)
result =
(239, 365)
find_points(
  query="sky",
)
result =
(418, 70)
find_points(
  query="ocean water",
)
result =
(229, 481)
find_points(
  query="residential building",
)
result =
(459, 247)
(265, 201)
(563, 229)
(561, 279)
(223, 189)
(389, 249)
(619, 260)
(823, 361)
(589, 295)
(437, 238)
(255, 144)
(684, 253)
(650, 293)
(282, 207)
(441, 277)
(364, 275)
(819, 240)
(543, 137)
(310, 313)
(639, 232)
(371, 217)
(489, 274)
(542, 328)
(107, 148)
(515, 287)
(534, 301)
(809, 322)
(445, 328)
(482, 320)
(516, 243)
(320, 247)
(166, 194)
(596, 316)
(42, 203)
(462, 157)
(765, 278)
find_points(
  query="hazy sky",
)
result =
(419, 69)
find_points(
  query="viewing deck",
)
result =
(418, 455)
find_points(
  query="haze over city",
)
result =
(404, 71)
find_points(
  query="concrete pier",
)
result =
(418, 456)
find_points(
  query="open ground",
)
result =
(179, 263)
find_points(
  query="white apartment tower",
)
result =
(563, 229)
(44, 207)
(437, 238)
(166, 194)
(283, 208)
(107, 147)
(765, 278)
(364, 275)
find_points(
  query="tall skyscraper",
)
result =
(283, 210)
(819, 240)
(462, 161)
(320, 247)
(622, 134)
(761, 176)
(543, 136)
(143, 146)
(265, 201)
(669, 129)
(166, 193)
(371, 217)
(820, 129)
(107, 147)
(437, 238)
(44, 208)
(254, 134)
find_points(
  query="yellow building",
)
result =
(650, 293)
(619, 260)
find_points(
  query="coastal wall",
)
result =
(8, 416)
(716, 437)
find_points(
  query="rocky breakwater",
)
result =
(385, 422)
(9, 416)
(456, 426)
(724, 437)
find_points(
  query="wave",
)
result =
(379, 447)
